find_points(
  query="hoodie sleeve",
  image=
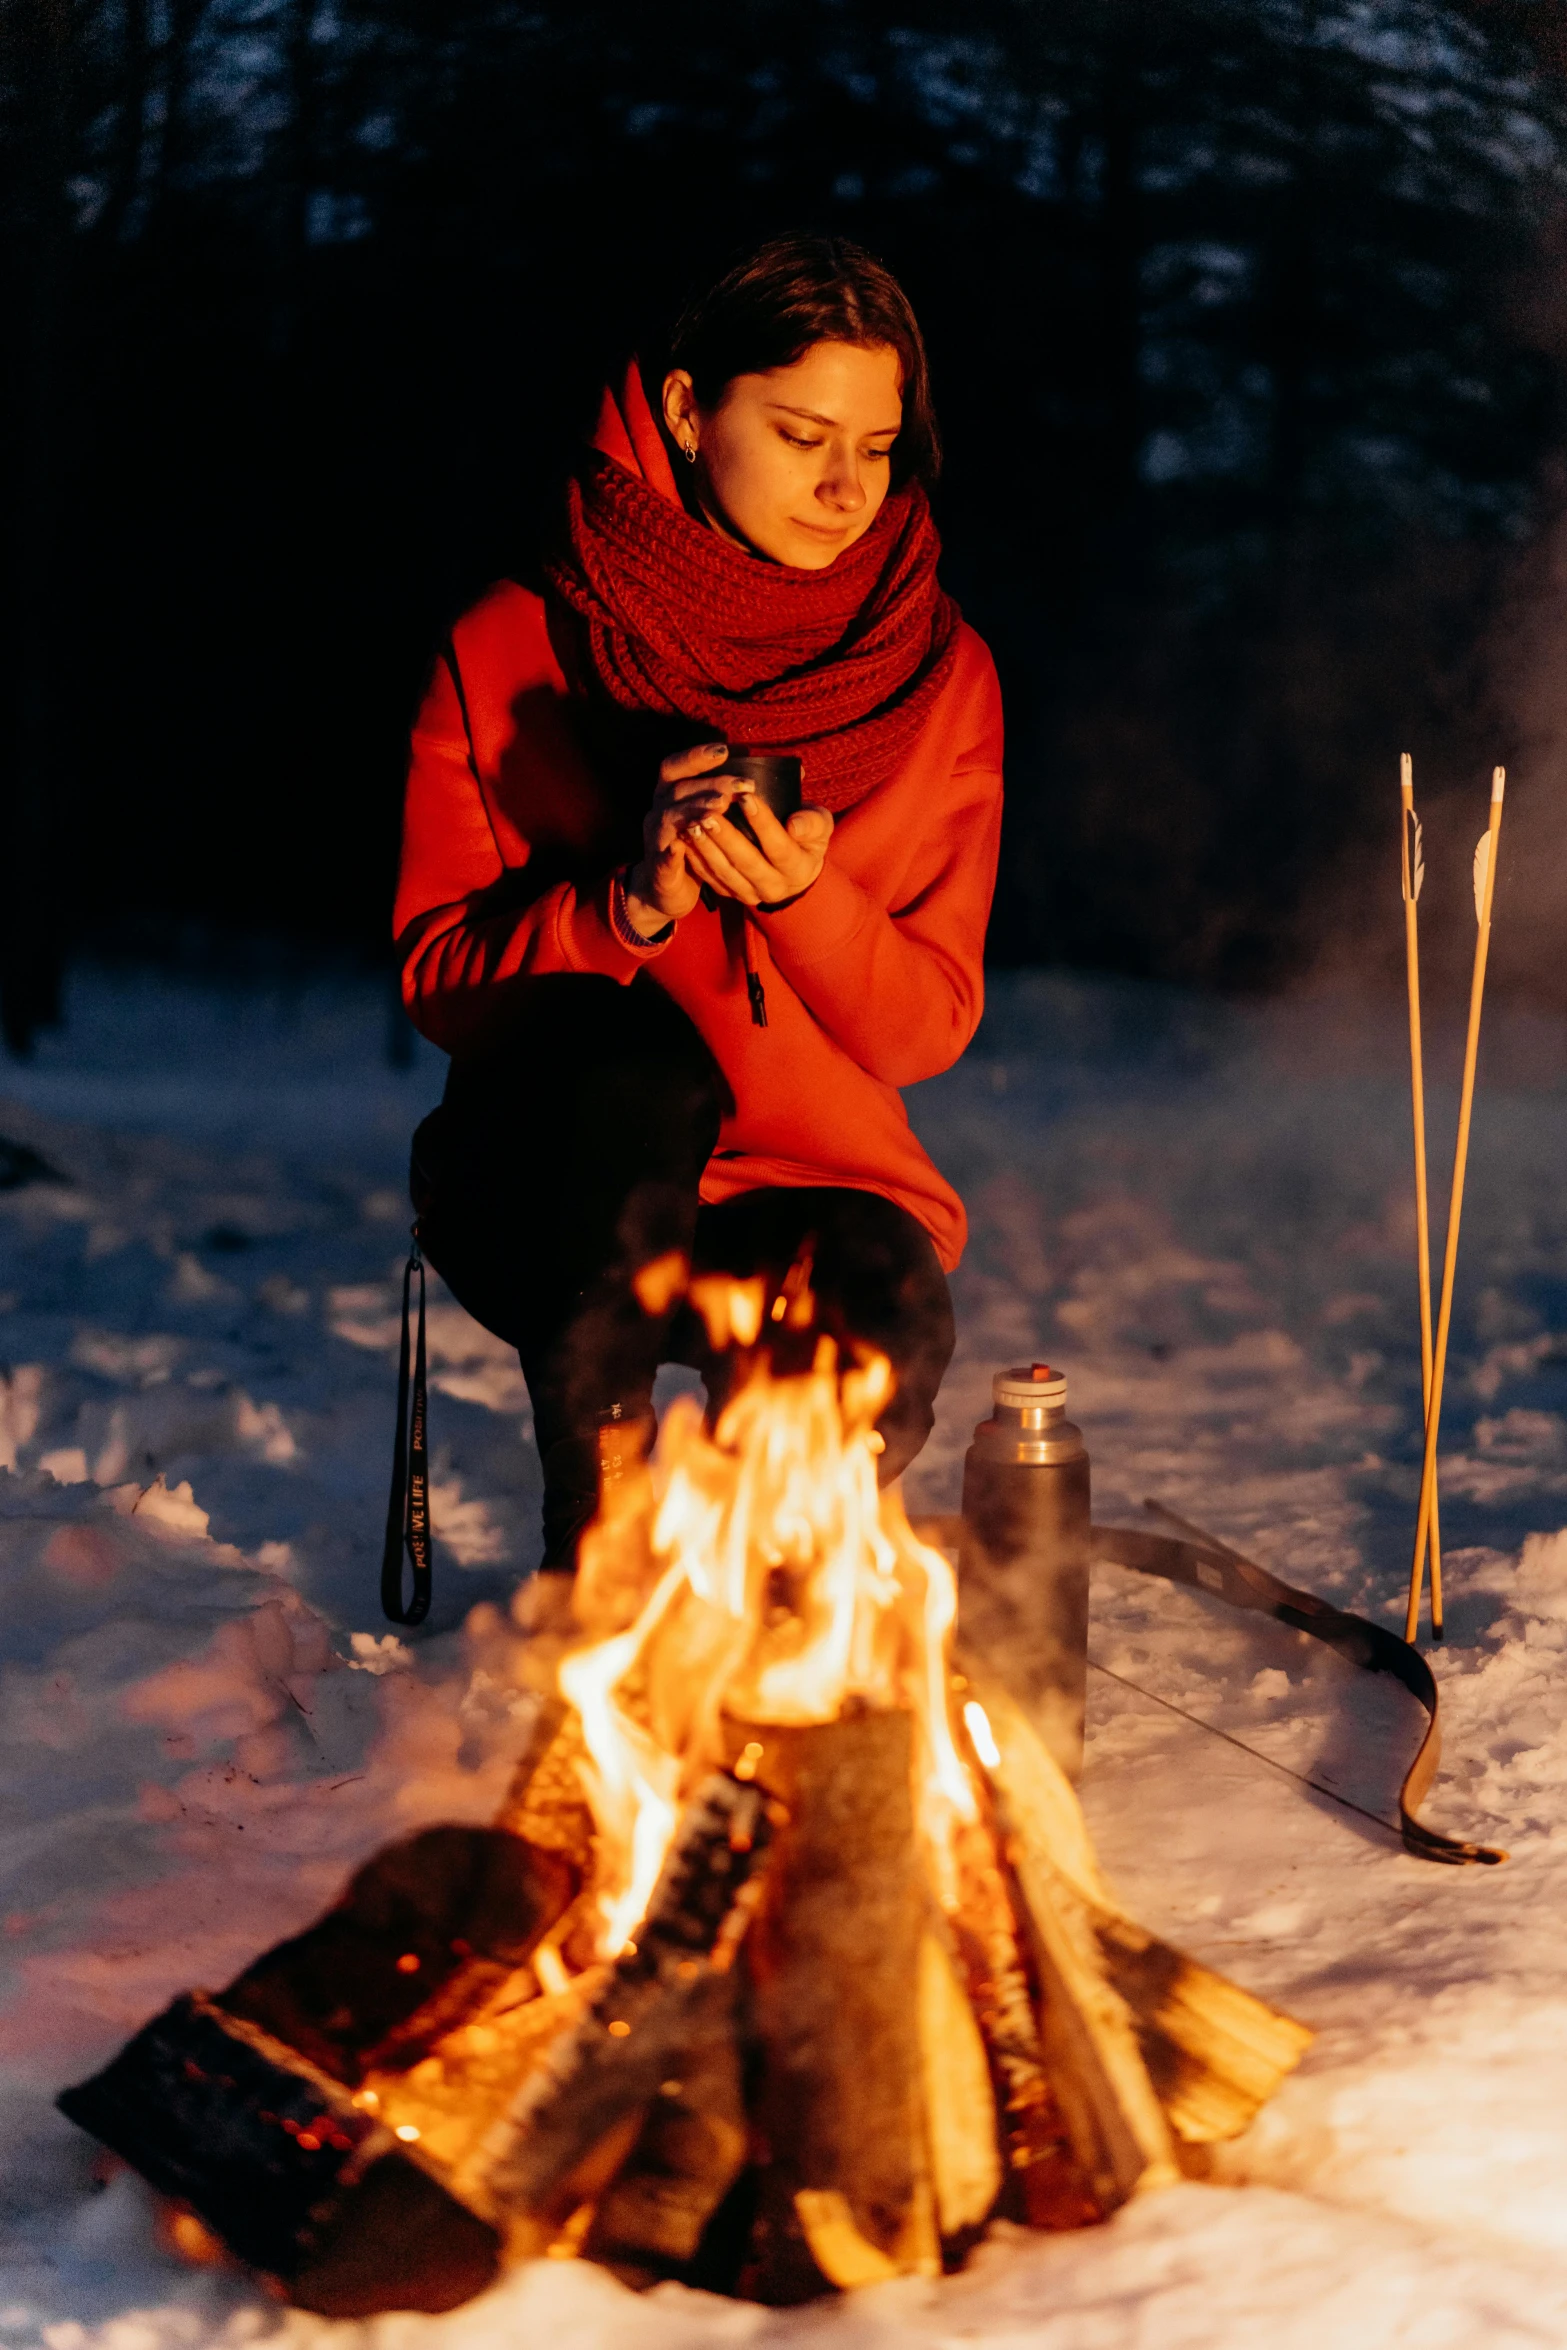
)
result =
(473, 918)
(900, 985)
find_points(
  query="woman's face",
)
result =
(795, 463)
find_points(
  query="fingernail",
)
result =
(714, 750)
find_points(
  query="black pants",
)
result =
(563, 1161)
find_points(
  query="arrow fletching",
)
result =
(1481, 869)
(1414, 857)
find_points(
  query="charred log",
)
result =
(1215, 2053)
(668, 1997)
(280, 2162)
(691, 2150)
(425, 1933)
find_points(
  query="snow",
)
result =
(1203, 1213)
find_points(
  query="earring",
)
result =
(688, 450)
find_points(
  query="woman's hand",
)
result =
(661, 886)
(783, 865)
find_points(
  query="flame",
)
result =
(983, 1736)
(757, 1573)
(632, 1783)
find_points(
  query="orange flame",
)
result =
(757, 1573)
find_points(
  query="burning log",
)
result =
(250, 2107)
(960, 2107)
(1047, 2186)
(283, 2164)
(832, 1967)
(653, 2220)
(604, 2026)
(1212, 2053)
(545, 1804)
(450, 2100)
(1117, 2126)
(667, 2001)
(425, 1934)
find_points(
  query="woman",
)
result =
(674, 1045)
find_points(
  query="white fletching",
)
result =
(1482, 867)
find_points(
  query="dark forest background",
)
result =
(1248, 345)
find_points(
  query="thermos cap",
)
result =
(1030, 1386)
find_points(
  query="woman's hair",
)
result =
(794, 291)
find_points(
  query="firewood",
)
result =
(1046, 2185)
(832, 1968)
(469, 2079)
(546, 1803)
(690, 2151)
(284, 2166)
(1054, 1812)
(1214, 2053)
(666, 1995)
(960, 2108)
(1118, 2128)
(1091, 2045)
(841, 2255)
(426, 1932)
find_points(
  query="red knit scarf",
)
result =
(840, 666)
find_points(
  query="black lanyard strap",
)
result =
(408, 1505)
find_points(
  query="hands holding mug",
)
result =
(688, 843)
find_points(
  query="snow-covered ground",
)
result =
(1204, 1214)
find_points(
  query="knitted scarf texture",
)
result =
(840, 666)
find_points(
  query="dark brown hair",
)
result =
(795, 291)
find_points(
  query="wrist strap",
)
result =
(408, 1504)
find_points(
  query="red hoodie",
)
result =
(873, 978)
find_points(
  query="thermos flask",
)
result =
(1023, 1560)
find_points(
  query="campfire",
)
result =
(786, 1968)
